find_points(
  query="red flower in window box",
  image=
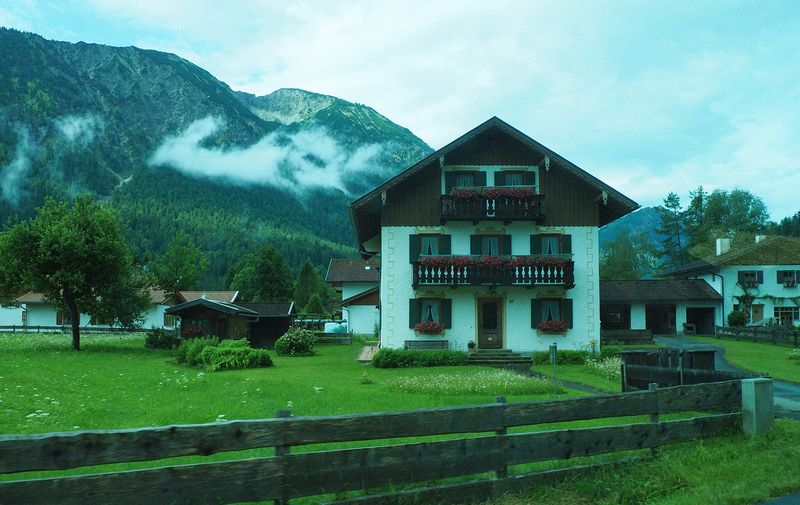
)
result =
(552, 326)
(491, 261)
(461, 261)
(428, 327)
(549, 261)
(193, 331)
(463, 194)
(520, 261)
(513, 193)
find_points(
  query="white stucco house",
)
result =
(492, 239)
(661, 306)
(358, 281)
(762, 278)
(10, 315)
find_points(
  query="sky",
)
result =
(652, 97)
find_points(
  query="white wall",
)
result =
(638, 316)
(10, 316)
(361, 318)
(43, 314)
(350, 289)
(396, 289)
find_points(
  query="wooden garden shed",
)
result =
(261, 323)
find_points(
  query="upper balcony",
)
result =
(511, 203)
(526, 271)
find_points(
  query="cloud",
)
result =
(310, 158)
(79, 129)
(15, 172)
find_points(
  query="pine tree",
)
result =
(672, 229)
(308, 284)
(315, 307)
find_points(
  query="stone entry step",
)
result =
(498, 357)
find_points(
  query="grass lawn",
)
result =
(758, 357)
(114, 382)
(581, 375)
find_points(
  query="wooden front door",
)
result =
(490, 323)
(757, 312)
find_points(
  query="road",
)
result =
(786, 395)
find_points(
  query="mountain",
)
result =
(175, 149)
(644, 219)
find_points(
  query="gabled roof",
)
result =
(365, 211)
(775, 250)
(349, 270)
(157, 296)
(359, 296)
(222, 296)
(224, 307)
(661, 290)
(282, 309)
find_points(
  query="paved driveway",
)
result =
(786, 395)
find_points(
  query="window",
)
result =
(788, 278)
(62, 319)
(490, 245)
(169, 320)
(751, 278)
(551, 309)
(429, 245)
(787, 314)
(465, 179)
(94, 321)
(551, 244)
(437, 310)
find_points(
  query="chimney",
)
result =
(760, 238)
(723, 246)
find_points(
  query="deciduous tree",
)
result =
(263, 276)
(627, 257)
(181, 266)
(76, 256)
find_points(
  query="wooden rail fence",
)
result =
(67, 329)
(288, 475)
(772, 334)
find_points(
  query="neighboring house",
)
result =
(261, 323)
(762, 279)
(220, 296)
(39, 312)
(359, 283)
(661, 306)
(11, 315)
(492, 239)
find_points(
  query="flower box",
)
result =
(552, 326)
(428, 327)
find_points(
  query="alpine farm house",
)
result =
(492, 239)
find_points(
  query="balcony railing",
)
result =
(494, 270)
(505, 204)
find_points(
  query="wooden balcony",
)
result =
(529, 271)
(482, 204)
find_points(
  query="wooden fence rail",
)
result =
(772, 334)
(290, 475)
(67, 329)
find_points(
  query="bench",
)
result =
(427, 345)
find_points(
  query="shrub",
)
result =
(407, 358)
(161, 339)
(565, 357)
(737, 318)
(794, 355)
(189, 350)
(296, 342)
(241, 342)
(610, 351)
(233, 357)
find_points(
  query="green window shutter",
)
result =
(444, 244)
(780, 276)
(413, 248)
(446, 314)
(474, 244)
(536, 312)
(449, 181)
(566, 311)
(760, 275)
(413, 312)
(740, 276)
(566, 244)
(479, 178)
(499, 179)
(536, 245)
(505, 245)
(530, 178)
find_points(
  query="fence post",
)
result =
(503, 472)
(652, 387)
(680, 365)
(280, 452)
(757, 408)
(624, 376)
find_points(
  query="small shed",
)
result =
(261, 323)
